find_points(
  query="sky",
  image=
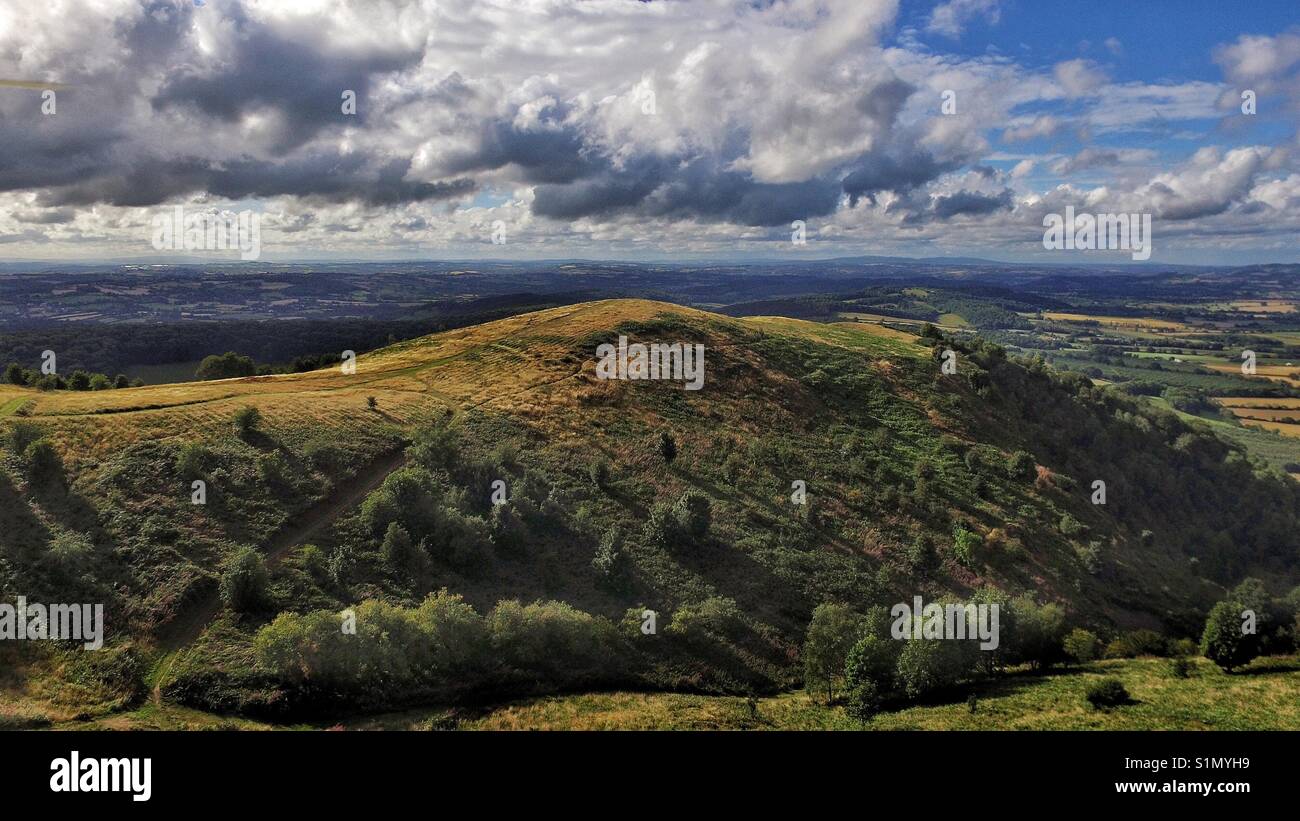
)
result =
(664, 130)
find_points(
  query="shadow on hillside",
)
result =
(19, 524)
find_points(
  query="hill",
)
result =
(917, 483)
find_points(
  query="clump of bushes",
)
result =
(1107, 692)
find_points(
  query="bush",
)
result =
(1108, 692)
(921, 556)
(508, 532)
(22, 434)
(436, 446)
(244, 581)
(667, 447)
(191, 460)
(926, 666)
(43, 463)
(1081, 646)
(1020, 465)
(1180, 667)
(328, 458)
(599, 473)
(247, 419)
(1223, 641)
(694, 513)
(1138, 643)
(714, 617)
(273, 468)
(610, 562)
(1070, 526)
(965, 544)
(863, 701)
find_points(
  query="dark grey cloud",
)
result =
(680, 189)
(971, 203)
(292, 76)
(901, 173)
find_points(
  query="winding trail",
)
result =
(300, 529)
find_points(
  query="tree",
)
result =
(1039, 632)
(15, 375)
(79, 381)
(831, 635)
(225, 366)
(1224, 642)
(667, 447)
(610, 561)
(1081, 645)
(247, 419)
(397, 549)
(926, 666)
(120, 381)
(244, 580)
(100, 382)
(436, 446)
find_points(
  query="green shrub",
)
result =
(1081, 645)
(694, 513)
(247, 419)
(598, 471)
(610, 561)
(244, 581)
(1224, 642)
(965, 545)
(191, 460)
(864, 700)
(1180, 667)
(667, 446)
(1107, 692)
(927, 666)
(22, 434)
(1021, 465)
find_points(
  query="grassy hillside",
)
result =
(901, 464)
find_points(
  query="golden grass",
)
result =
(516, 365)
(1134, 323)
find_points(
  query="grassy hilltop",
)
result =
(374, 491)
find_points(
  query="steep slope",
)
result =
(917, 483)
